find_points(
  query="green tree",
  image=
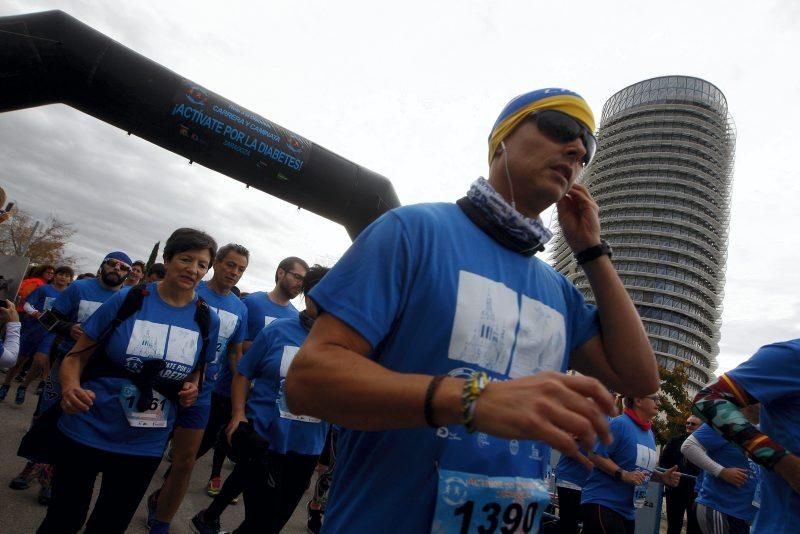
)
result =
(41, 241)
(675, 403)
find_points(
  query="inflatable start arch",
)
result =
(51, 57)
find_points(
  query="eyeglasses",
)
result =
(116, 264)
(654, 398)
(562, 128)
(297, 276)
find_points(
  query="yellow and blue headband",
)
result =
(520, 107)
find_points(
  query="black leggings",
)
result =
(569, 510)
(218, 419)
(600, 520)
(125, 481)
(272, 492)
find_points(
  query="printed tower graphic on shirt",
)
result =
(486, 343)
(485, 335)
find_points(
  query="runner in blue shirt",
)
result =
(71, 308)
(571, 475)
(274, 485)
(438, 315)
(122, 383)
(195, 422)
(617, 485)
(725, 498)
(35, 342)
(262, 309)
(770, 377)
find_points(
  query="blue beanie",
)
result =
(118, 255)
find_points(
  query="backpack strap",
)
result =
(202, 316)
(130, 305)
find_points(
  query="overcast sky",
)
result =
(410, 90)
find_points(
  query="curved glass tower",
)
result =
(662, 178)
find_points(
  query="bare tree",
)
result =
(41, 241)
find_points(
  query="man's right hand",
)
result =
(76, 331)
(550, 407)
(736, 476)
(788, 467)
(8, 313)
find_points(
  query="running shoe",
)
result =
(214, 486)
(20, 396)
(3, 392)
(314, 523)
(152, 507)
(23, 480)
(205, 527)
(44, 495)
(40, 388)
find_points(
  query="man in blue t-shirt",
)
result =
(617, 485)
(197, 426)
(442, 341)
(70, 310)
(725, 498)
(263, 307)
(770, 377)
(274, 478)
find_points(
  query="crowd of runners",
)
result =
(429, 365)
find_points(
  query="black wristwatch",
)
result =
(592, 253)
(618, 474)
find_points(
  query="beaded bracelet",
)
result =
(429, 393)
(473, 387)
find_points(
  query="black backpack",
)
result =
(147, 379)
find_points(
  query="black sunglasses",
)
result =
(562, 128)
(124, 267)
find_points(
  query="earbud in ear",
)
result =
(502, 146)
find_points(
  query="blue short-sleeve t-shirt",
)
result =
(266, 362)
(261, 311)
(156, 331)
(32, 332)
(77, 303)
(232, 315)
(772, 376)
(715, 492)
(633, 449)
(571, 473)
(432, 293)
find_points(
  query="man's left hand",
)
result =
(579, 218)
(188, 394)
(671, 477)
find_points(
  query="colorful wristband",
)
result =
(473, 388)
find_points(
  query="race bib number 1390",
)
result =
(467, 503)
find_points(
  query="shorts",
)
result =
(195, 417)
(31, 344)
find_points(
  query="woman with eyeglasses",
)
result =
(140, 355)
(617, 485)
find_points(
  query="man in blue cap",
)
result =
(72, 308)
(447, 376)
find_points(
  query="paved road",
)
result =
(21, 514)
